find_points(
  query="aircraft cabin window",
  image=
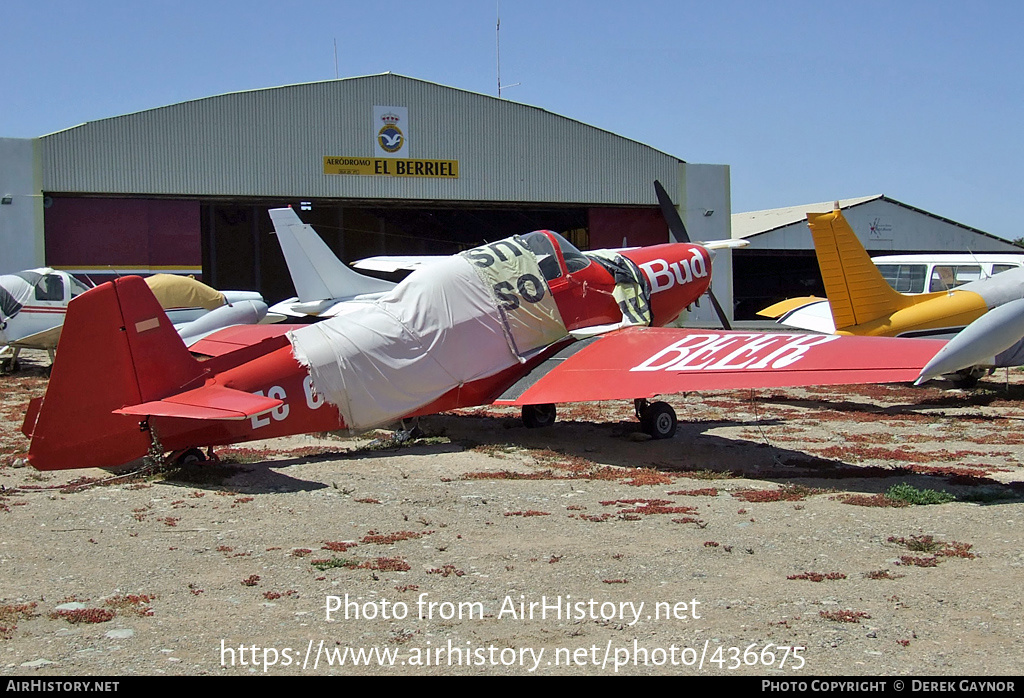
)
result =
(997, 268)
(77, 287)
(905, 278)
(947, 276)
(50, 288)
(540, 245)
(574, 259)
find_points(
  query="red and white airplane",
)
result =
(499, 324)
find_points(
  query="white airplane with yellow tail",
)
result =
(984, 319)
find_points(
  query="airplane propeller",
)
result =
(675, 224)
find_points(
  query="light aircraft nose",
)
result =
(679, 274)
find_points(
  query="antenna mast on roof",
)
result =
(336, 76)
(497, 44)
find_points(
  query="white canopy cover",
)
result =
(456, 321)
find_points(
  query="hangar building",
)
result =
(382, 164)
(780, 263)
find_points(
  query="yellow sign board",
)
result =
(391, 167)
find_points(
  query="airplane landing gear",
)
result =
(9, 360)
(657, 419)
(536, 416)
(194, 456)
(409, 428)
(968, 378)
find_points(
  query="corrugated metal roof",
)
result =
(272, 141)
(751, 223)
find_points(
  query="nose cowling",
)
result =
(679, 274)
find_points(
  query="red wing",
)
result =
(642, 362)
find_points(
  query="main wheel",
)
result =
(191, 457)
(535, 416)
(659, 420)
(968, 378)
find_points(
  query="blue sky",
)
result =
(806, 101)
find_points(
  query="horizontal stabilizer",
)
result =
(393, 263)
(208, 402)
(790, 304)
(809, 313)
(240, 337)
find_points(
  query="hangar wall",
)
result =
(21, 205)
(706, 209)
(272, 142)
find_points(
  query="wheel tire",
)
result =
(968, 378)
(191, 457)
(659, 420)
(536, 416)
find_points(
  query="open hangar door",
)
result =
(764, 277)
(240, 252)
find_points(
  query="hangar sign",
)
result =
(391, 167)
(390, 127)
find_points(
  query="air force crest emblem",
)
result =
(390, 137)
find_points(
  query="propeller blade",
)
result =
(671, 215)
(718, 309)
(675, 224)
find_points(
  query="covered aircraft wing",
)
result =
(642, 362)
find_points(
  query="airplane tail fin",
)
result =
(854, 286)
(315, 270)
(117, 348)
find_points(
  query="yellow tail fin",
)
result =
(854, 286)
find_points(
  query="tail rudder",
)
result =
(316, 271)
(855, 287)
(117, 348)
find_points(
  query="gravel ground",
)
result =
(759, 541)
